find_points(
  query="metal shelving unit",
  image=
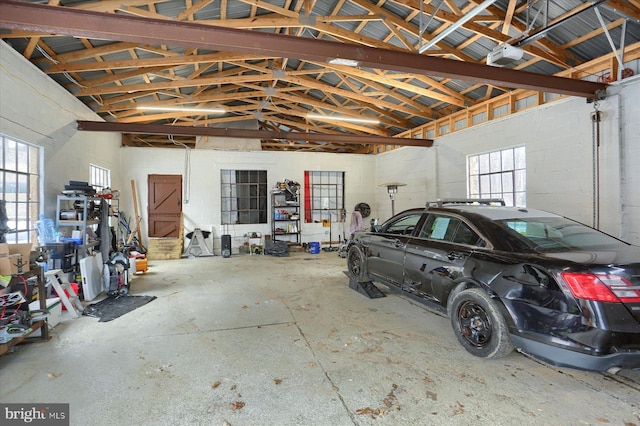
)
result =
(72, 213)
(285, 218)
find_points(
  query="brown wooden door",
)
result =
(165, 205)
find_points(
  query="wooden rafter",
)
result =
(115, 78)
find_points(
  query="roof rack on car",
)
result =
(481, 201)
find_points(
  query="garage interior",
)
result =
(390, 98)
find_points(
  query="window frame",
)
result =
(481, 241)
(22, 207)
(446, 227)
(389, 228)
(323, 187)
(99, 177)
(243, 197)
(501, 173)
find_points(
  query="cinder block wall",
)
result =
(559, 146)
(416, 167)
(630, 159)
(203, 209)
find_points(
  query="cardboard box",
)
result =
(12, 255)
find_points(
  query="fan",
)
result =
(364, 209)
(290, 188)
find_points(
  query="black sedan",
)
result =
(512, 278)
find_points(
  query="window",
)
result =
(404, 225)
(498, 174)
(451, 229)
(323, 196)
(100, 177)
(244, 196)
(549, 234)
(20, 186)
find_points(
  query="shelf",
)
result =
(86, 210)
(66, 222)
(88, 243)
(290, 207)
(79, 197)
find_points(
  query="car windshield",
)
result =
(552, 234)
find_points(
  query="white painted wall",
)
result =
(416, 167)
(558, 140)
(203, 209)
(629, 104)
(557, 136)
(34, 109)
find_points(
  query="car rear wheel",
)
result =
(478, 325)
(356, 264)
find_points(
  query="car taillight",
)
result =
(601, 287)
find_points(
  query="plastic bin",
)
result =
(46, 230)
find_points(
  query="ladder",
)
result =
(198, 245)
(70, 299)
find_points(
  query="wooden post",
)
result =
(135, 209)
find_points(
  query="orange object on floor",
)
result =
(141, 265)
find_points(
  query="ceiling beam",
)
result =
(169, 61)
(165, 129)
(89, 24)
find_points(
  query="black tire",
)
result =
(478, 325)
(356, 264)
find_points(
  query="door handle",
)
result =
(453, 255)
(397, 243)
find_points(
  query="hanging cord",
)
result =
(187, 174)
(187, 170)
(596, 117)
(15, 311)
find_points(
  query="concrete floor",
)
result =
(261, 340)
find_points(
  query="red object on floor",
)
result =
(75, 288)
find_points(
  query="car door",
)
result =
(436, 256)
(386, 248)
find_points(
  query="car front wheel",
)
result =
(356, 264)
(478, 325)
